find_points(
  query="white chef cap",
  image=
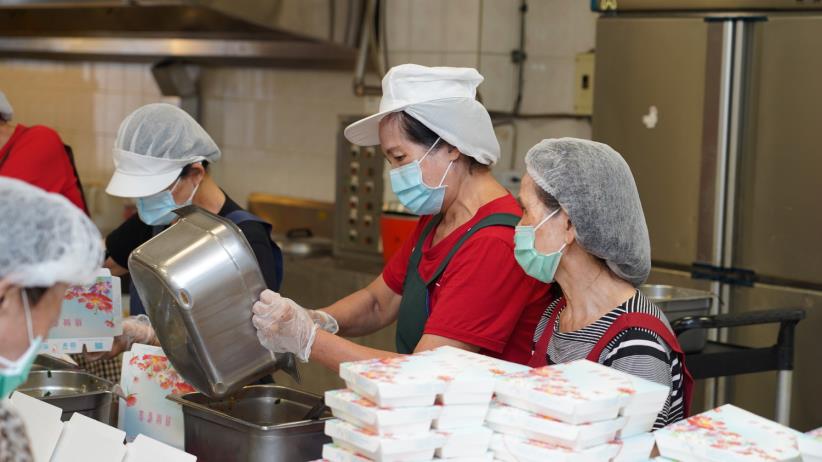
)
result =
(45, 239)
(441, 98)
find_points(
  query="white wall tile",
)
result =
(428, 25)
(238, 123)
(497, 90)
(462, 25)
(426, 58)
(398, 25)
(559, 28)
(461, 59)
(500, 26)
(548, 85)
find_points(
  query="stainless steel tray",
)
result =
(73, 391)
(198, 280)
(259, 423)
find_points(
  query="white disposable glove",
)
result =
(284, 326)
(324, 321)
(136, 329)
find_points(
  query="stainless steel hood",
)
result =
(246, 32)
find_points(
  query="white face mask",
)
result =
(14, 372)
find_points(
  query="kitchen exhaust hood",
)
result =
(242, 32)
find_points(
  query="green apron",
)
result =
(414, 309)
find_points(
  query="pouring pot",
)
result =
(198, 280)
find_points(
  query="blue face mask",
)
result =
(14, 373)
(539, 266)
(413, 193)
(159, 208)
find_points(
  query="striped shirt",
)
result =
(635, 351)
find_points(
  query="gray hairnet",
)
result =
(45, 238)
(6, 112)
(167, 132)
(595, 187)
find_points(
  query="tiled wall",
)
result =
(85, 103)
(482, 34)
(278, 128)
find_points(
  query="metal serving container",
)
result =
(73, 391)
(260, 423)
(198, 280)
(678, 302)
(50, 363)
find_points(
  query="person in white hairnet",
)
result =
(583, 227)
(455, 280)
(162, 158)
(37, 155)
(46, 244)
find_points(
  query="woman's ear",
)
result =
(570, 230)
(197, 172)
(453, 153)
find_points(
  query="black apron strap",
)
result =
(414, 307)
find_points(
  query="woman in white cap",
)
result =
(583, 226)
(46, 244)
(161, 159)
(455, 281)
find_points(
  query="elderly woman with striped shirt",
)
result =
(583, 228)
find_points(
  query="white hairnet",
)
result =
(444, 100)
(153, 145)
(45, 239)
(164, 131)
(6, 111)
(595, 187)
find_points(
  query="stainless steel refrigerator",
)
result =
(719, 116)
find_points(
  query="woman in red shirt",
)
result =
(455, 281)
(37, 156)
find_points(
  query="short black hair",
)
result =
(420, 134)
(187, 169)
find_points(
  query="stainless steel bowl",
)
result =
(73, 391)
(198, 280)
(259, 423)
(678, 302)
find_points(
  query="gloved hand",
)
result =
(324, 321)
(283, 326)
(136, 329)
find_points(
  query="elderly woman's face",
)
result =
(14, 337)
(400, 150)
(553, 234)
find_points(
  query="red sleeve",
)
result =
(481, 295)
(394, 272)
(39, 158)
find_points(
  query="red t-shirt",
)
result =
(38, 157)
(483, 297)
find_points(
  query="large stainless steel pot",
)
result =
(198, 280)
(260, 423)
(73, 391)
